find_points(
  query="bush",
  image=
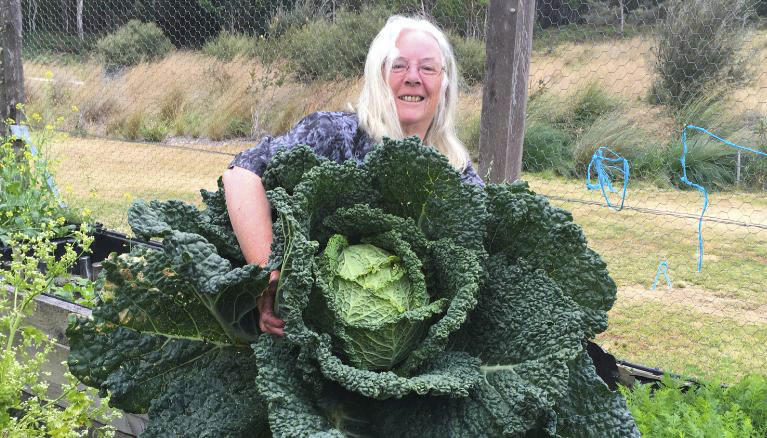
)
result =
(132, 44)
(328, 50)
(547, 147)
(226, 46)
(697, 45)
(470, 55)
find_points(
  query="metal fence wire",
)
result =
(150, 99)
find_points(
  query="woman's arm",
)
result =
(250, 214)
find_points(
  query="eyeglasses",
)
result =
(400, 66)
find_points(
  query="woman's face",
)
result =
(414, 82)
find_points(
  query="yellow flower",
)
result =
(87, 212)
(36, 117)
(127, 196)
(49, 74)
(49, 127)
(75, 109)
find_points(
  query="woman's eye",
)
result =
(398, 67)
(429, 69)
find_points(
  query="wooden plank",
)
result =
(504, 101)
(11, 67)
(50, 316)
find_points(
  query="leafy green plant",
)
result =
(704, 410)
(133, 43)
(24, 349)
(494, 347)
(27, 201)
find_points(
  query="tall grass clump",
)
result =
(697, 45)
(589, 104)
(324, 49)
(619, 134)
(226, 46)
(547, 147)
(132, 44)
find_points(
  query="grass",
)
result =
(711, 323)
(685, 341)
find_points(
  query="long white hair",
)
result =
(376, 107)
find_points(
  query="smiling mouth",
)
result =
(411, 98)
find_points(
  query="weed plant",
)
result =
(28, 203)
(24, 349)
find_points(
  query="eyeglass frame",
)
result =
(407, 66)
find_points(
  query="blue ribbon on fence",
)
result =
(662, 267)
(603, 162)
(700, 188)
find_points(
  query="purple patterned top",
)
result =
(333, 135)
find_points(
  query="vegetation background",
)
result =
(153, 97)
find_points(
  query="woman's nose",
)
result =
(412, 76)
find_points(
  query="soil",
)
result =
(698, 299)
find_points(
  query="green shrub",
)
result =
(697, 45)
(470, 55)
(132, 44)
(226, 46)
(547, 147)
(328, 50)
(302, 13)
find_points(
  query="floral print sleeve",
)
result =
(331, 134)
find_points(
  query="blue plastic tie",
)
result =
(700, 188)
(663, 267)
(604, 163)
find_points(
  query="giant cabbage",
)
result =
(415, 306)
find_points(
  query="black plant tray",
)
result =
(104, 243)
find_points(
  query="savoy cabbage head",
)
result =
(415, 306)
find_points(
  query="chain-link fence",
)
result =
(152, 98)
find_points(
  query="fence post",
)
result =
(504, 101)
(11, 70)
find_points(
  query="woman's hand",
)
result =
(268, 322)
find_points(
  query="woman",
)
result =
(409, 88)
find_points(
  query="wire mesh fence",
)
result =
(151, 99)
